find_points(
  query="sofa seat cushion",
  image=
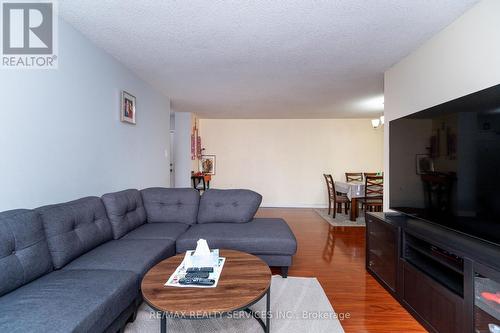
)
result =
(24, 253)
(75, 227)
(125, 211)
(157, 231)
(68, 301)
(171, 204)
(237, 206)
(260, 236)
(129, 255)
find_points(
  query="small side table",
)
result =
(201, 179)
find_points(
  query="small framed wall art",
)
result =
(207, 163)
(424, 164)
(128, 108)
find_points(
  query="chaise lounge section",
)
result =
(77, 266)
(226, 220)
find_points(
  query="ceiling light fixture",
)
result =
(378, 122)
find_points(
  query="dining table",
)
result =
(353, 190)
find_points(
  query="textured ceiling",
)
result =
(264, 59)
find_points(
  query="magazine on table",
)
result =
(181, 271)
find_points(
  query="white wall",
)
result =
(182, 151)
(461, 59)
(284, 159)
(60, 133)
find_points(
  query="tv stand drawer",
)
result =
(381, 252)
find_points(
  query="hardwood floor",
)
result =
(336, 257)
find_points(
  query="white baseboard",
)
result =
(271, 205)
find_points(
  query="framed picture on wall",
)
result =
(424, 164)
(128, 108)
(207, 164)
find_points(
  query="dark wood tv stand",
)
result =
(433, 272)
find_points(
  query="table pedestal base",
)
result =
(354, 209)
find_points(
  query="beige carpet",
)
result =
(341, 219)
(296, 306)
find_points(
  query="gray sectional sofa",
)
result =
(77, 266)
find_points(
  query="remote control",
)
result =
(201, 275)
(197, 281)
(200, 269)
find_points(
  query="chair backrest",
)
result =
(374, 187)
(437, 190)
(330, 184)
(353, 177)
(199, 183)
(370, 174)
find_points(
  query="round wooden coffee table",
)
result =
(244, 280)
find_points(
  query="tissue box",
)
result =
(203, 260)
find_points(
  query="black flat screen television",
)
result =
(445, 165)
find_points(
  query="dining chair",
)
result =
(335, 199)
(374, 194)
(437, 191)
(353, 177)
(370, 174)
(199, 183)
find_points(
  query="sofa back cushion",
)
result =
(236, 206)
(24, 254)
(74, 228)
(178, 205)
(125, 211)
